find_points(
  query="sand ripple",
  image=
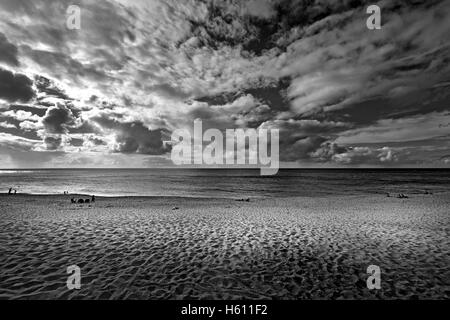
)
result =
(222, 249)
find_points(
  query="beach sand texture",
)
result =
(291, 248)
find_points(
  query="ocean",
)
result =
(224, 183)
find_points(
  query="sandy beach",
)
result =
(188, 248)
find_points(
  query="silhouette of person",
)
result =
(93, 198)
(10, 191)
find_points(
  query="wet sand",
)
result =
(294, 248)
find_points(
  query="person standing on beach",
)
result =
(10, 191)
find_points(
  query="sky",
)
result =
(111, 93)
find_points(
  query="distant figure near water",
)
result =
(10, 191)
(93, 198)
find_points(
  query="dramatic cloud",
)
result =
(302, 139)
(340, 94)
(134, 137)
(57, 119)
(15, 87)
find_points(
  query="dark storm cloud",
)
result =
(135, 137)
(38, 111)
(415, 102)
(15, 86)
(8, 51)
(57, 119)
(76, 142)
(299, 139)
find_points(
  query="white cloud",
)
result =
(7, 125)
(21, 115)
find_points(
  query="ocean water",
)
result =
(228, 183)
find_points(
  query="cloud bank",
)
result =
(111, 93)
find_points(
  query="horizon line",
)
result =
(231, 168)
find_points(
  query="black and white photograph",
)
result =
(224, 150)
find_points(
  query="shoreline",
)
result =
(243, 196)
(58, 195)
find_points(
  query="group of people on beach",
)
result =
(12, 191)
(403, 196)
(399, 196)
(73, 200)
